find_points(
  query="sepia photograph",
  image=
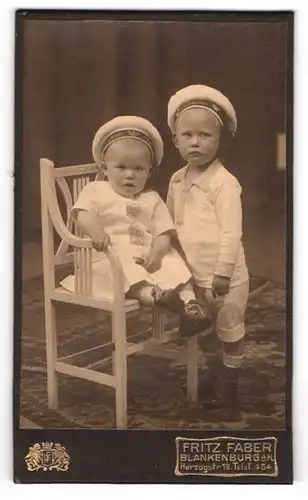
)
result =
(154, 165)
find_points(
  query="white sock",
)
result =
(232, 361)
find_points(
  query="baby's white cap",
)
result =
(125, 127)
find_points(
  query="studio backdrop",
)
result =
(78, 75)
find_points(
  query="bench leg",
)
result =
(158, 319)
(120, 368)
(192, 369)
(121, 392)
(51, 355)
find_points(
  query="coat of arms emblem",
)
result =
(47, 456)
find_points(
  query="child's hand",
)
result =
(220, 286)
(151, 262)
(100, 241)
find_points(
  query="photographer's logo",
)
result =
(226, 457)
(47, 456)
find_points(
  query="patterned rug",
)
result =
(156, 399)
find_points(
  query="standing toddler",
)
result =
(204, 200)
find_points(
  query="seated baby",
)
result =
(121, 212)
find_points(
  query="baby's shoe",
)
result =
(167, 299)
(194, 318)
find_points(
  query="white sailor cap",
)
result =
(201, 96)
(125, 127)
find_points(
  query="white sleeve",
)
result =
(170, 200)
(161, 218)
(87, 200)
(229, 213)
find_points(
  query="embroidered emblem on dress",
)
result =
(137, 236)
(133, 210)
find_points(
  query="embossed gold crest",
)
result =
(47, 456)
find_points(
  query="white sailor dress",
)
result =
(132, 224)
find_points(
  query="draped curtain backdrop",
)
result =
(77, 75)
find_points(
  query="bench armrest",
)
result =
(77, 242)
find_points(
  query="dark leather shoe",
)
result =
(167, 299)
(193, 319)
